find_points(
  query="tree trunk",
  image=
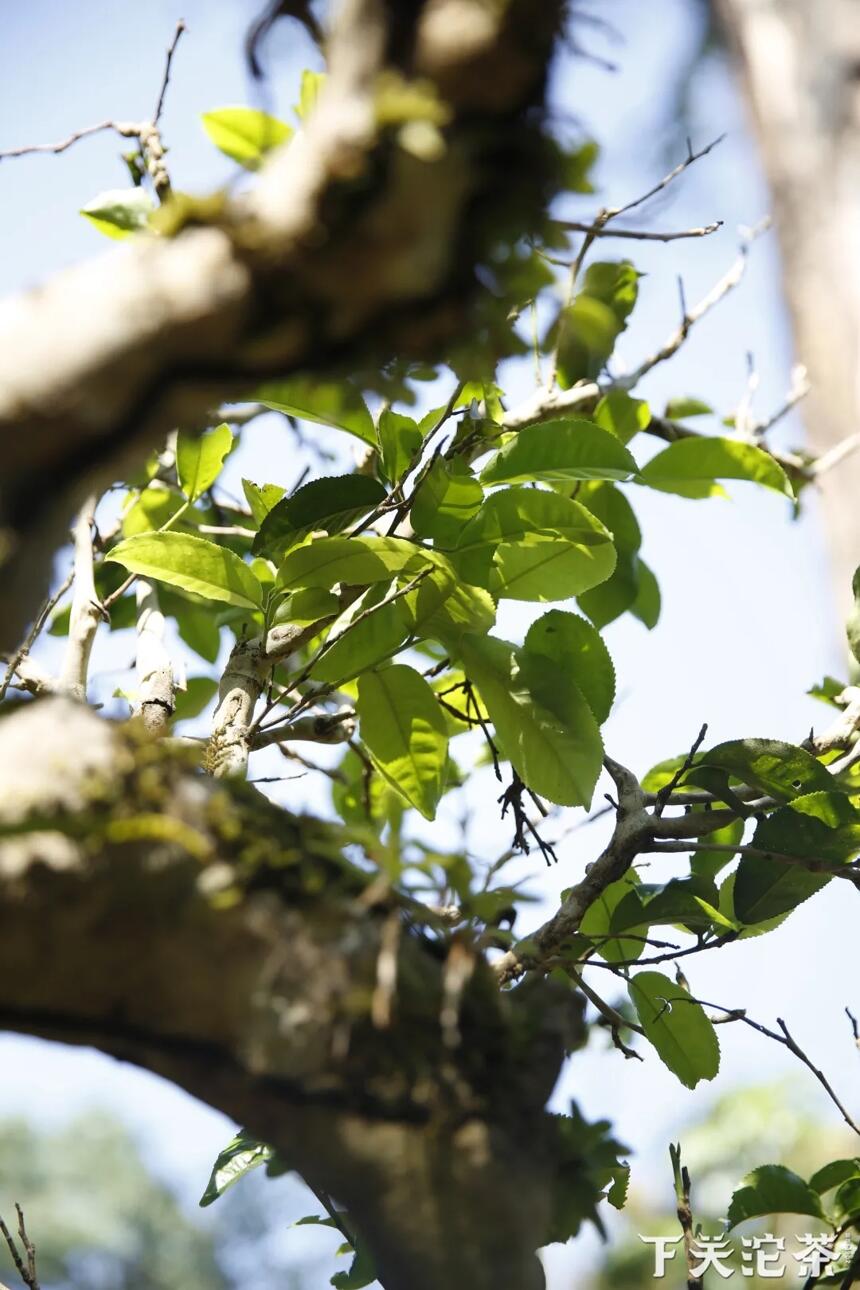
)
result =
(800, 60)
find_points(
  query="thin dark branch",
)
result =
(31, 637)
(122, 129)
(171, 50)
(787, 1040)
(666, 792)
(673, 174)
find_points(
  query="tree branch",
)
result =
(309, 271)
(205, 934)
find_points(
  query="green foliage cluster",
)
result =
(399, 567)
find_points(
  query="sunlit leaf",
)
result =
(193, 564)
(556, 750)
(405, 733)
(772, 1189)
(199, 459)
(245, 134)
(691, 466)
(331, 403)
(676, 1025)
(119, 212)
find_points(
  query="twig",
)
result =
(667, 179)
(125, 129)
(685, 1215)
(804, 862)
(788, 1041)
(38, 623)
(722, 288)
(633, 826)
(665, 793)
(855, 1027)
(171, 50)
(27, 1272)
(640, 235)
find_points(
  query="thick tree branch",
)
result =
(353, 246)
(191, 927)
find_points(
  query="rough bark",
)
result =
(189, 926)
(800, 64)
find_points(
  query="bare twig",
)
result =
(633, 826)
(171, 50)
(667, 179)
(813, 865)
(722, 288)
(38, 623)
(639, 235)
(788, 1041)
(685, 1216)
(125, 129)
(26, 1271)
(665, 793)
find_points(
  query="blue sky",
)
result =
(748, 620)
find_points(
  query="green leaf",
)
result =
(822, 826)
(773, 1189)
(622, 415)
(360, 646)
(193, 564)
(443, 606)
(779, 769)
(332, 503)
(578, 648)
(560, 451)
(199, 459)
(846, 1202)
(597, 920)
(311, 84)
(152, 509)
(362, 1270)
(405, 733)
(616, 595)
(527, 544)
(354, 561)
(726, 907)
(191, 701)
(595, 319)
(612, 508)
(678, 409)
(238, 1158)
(306, 606)
(544, 725)
(261, 498)
(399, 443)
(120, 211)
(648, 603)
(834, 1174)
(245, 134)
(445, 500)
(330, 403)
(676, 1025)
(707, 863)
(689, 467)
(195, 622)
(827, 691)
